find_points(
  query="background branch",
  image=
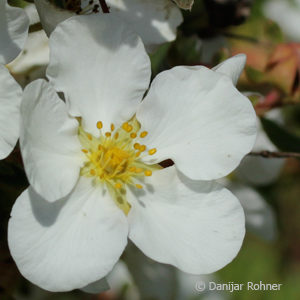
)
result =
(275, 154)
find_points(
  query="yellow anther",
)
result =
(143, 134)
(142, 148)
(84, 151)
(148, 173)
(125, 125)
(129, 128)
(118, 185)
(89, 136)
(112, 127)
(116, 135)
(107, 134)
(99, 125)
(100, 147)
(93, 172)
(133, 135)
(152, 151)
(138, 154)
(132, 169)
(139, 186)
(136, 146)
(138, 170)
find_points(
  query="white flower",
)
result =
(35, 53)
(102, 165)
(155, 21)
(260, 217)
(13, 32)
(259, 170)
(287, 15)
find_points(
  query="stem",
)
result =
(104, 7)
(275, 154)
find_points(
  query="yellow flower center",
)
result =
(113, 159)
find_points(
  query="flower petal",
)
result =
(193, 225)
(260, 218)
(34, 54)
(51, 15)
(107, 75)
(10, 100)
(232, 67)
(50, 148)
(96, 287)
(259, 170)
(197, 118)
(14, 25)
(153, 280)
(155, 21)
(70, 243)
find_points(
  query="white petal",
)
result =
(260, 217)
(50, 15)
(197, 118)
(286, 14)
(70, 243)
(13, 31)
(96, 287)
(50, 148)
(120, 277)
(232, 67)
(10, 100)
(107, 75)
(34, 54)
(259, 170)
(155, 21)
(193, 225)
(154, 280)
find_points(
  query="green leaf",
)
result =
(280, 137)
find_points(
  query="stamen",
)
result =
(118, 185)
(152, 151)
(143, 134)
(93, 172)
(89, 136)
(138, 170)
(116, 135)
(142, 148)
(133, 135)
(136, 146)
(112, 127)
(148, 173)
(107, 134)
(99, 125)
(132, 169)
(84, 151)
(139, 186)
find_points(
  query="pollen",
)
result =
(142, 148)
(115, 159)
(118, 185)
(148, 173)
(99, 125)
(136, 146)
(152, 151)
(143, 134)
